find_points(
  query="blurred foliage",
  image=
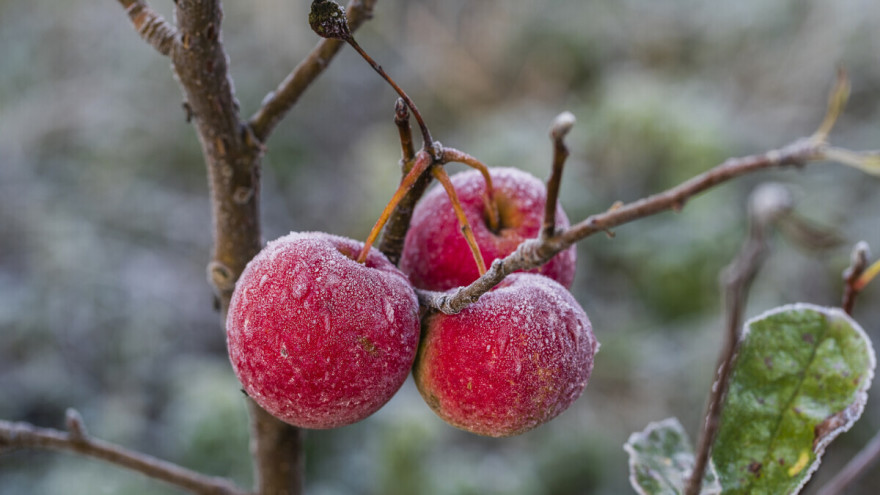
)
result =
(105, 223)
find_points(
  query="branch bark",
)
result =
(535, 252)
(27, 436)
(232, 156)
(277, 103)
(152, 27)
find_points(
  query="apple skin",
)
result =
(317, 339)
(513, 360)
(436, 255)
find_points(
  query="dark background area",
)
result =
(105, 221)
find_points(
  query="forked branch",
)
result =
(77, 440)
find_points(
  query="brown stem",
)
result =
(407, 148)
(422, 162)
(152, 27)
(277, 103)
(232, 156)
(426, 134)
(533, 253)
(76, 440)
(855, 468)
(394, 235)
(858, 263)
(454, 155)
(440, 174)
(561, 126)
(767, 204)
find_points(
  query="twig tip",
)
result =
(75, 425)
(562, 124)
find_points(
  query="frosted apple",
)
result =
(317, 339)
(435, 254)
(513, 360)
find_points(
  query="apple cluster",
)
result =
(321, 341)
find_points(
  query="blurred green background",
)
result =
(105, 222)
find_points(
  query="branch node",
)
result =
(75, 426)
(221, 276)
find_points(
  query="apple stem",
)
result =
(454, 155)
(426, 134)
(422, 161)
(561, 125)
(440, 174)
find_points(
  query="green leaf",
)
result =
(800, 378)
(661, 460)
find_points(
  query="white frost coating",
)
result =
(668, 423)
(854, 411)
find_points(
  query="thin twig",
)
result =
(426, 133)
(394, 234)
(277, 103)
(152, 27)
(767, 204)
(855, 468)
(407, 148)
(857, 265)
(535, 252)
(27, 436)
(561, 126)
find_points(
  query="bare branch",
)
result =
(27, 436)
(767, 204)
(152, 27)
(857, 265)
(397, 226)
(535, 252)
(561, 126)
(407, 147)
(277, 103)
(854, 469)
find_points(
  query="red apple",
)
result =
(317, 339)
(435, 254)
(513, 360)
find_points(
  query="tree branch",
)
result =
(561, 126)
(152, 27)
(535, 252)
(232, 156)
(394, 235)
(27, 436)
(766, 205)
(277, 103)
